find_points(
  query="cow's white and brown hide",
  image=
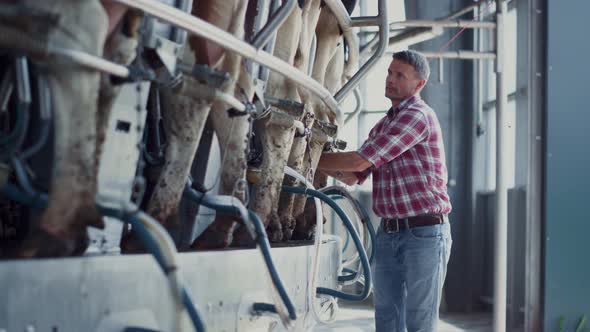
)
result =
(275, 132)
(310, 16)
(232, 133)
(306, 157)
(71, 206)
(305, 212)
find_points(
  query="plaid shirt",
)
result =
(409, 169)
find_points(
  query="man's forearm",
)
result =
(346, 177)
(343, 161)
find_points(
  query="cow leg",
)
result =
(232, 134)
(305, 219)
(296, 162)
(71, 207)
(276, 135)
(310, 16)
(312, 157)
(183, 120)
(327, 35)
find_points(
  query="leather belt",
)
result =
(393, 225)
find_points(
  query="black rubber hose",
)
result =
(357, 242)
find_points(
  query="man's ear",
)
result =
(420, 85)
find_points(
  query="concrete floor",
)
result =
(360, 319)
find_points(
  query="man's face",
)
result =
(402, 81)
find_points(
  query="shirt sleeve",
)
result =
(409, 129)
(362, 176)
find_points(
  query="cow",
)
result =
(185, 110)
(304, 212)
(185, 117)
(276, 132)
(61, 229)
(328, 69)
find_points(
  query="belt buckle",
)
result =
(390, 230)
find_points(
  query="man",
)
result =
(405, 154)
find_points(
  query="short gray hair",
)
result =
(416, 60)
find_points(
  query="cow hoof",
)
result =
(298, 236)
(212, 239)
(243, 239)
(287, 234)
(275, 235)
(130, 244)
(42, 244)
(275, 229)
(287, 224)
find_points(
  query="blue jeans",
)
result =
(409, 271)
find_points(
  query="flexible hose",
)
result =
(232, 205)
(355, 238)
(352, 277)
(360, 229)
(44, 115)
(366, 220)
(312, 284)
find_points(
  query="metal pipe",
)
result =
(269, 47)
(91, 61)
(464, 11)
(359, 105)
(364, 21)
(501, 218)
(467, 55)
(420, 33)
(444, 24)
(381, 48)
(274, 23)
(262, 14)
(339, 11)
(197, 26)
(178, 35)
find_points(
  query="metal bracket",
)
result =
(205, 74)
(326, 127)
(294, 108)
(339, 144)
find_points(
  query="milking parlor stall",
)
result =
(159, 160)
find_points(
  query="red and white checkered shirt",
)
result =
(409, 168)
